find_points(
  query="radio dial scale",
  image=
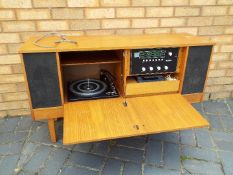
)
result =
(151, 61)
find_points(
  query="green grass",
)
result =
(183, 158)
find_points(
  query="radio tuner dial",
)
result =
(151, 68)
(166, 67)
(143, 69)
(158, 68)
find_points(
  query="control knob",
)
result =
(166, 67)
(158, 68)
(143, 69)
(170, 53)
(151, 68)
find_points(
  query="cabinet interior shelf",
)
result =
(156, 87)
(94, 57)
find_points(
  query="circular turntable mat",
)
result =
(88, 87)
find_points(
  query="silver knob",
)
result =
(143, 69)
(158, 68)
(151, 68)
(170, 53)
(166, 67)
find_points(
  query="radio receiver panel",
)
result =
(151, 61)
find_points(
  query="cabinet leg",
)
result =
(52, 131)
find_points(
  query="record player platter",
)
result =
(88, 87)
(92, 88)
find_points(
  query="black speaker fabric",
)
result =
(196, 69)
(42, 76)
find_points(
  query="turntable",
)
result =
(87, 89)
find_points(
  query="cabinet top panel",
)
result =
(113, 42)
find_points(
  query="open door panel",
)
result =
(104, 119)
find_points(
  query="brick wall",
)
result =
(20, 19)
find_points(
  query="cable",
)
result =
(62, 39)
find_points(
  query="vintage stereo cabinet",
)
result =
(145, 84)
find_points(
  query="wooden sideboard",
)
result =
(152, 107)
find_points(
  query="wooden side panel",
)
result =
(48, 113)
(196, 69)
(43, 81)
(182, 64)
(193, 98)
(59, 73)
(103, 119)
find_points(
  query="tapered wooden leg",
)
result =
(52, 131)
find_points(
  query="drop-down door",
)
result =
(95, 120)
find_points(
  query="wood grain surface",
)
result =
(103, 119)
(135, 88)
(114, 42)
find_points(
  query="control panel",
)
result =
(150, 61)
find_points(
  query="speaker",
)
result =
(196, 69)
(43, 82)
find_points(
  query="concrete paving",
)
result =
(25, 149)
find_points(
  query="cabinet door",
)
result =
(95, 120)
(42, 77)
(196, 69)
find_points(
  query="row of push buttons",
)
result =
(149, 60)
(152, 68)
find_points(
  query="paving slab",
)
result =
(8, 164)
(227, 161)
(223, 145)
(11, 148)
(187, 137)
(112, 167)
(218, 107)
(87, 160)
(9, 124)
(219, 135)
(171, 156)
(216, 122)
(85, 147)
(26, 154)
(168, 137)
(128, 154)
(154, 154)
(230, 104)
(202, 167)
(26, 149)
(101, 148)
(24, 173)
(55, 162)
(12, 137)
(25, 124)
(228, 123)
(41, 134)
(38, 159)
(203, 138)
(199, 153)
(198, 107)
(134, 142)
(78, 171)
(132, 169)
(148, 170)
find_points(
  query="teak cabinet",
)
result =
(142, 108)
